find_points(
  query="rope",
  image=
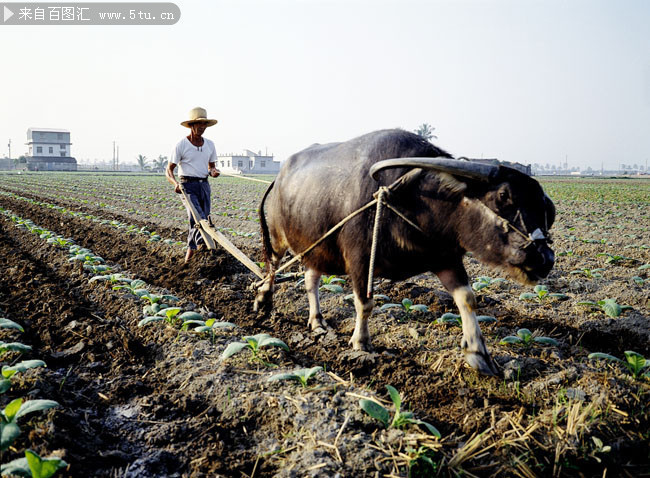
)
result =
(375, 235)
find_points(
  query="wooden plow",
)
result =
(211, 235)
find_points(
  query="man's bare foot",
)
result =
(188, 255)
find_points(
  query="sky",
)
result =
(519, 80)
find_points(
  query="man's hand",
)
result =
(177, 189)
(214, 172)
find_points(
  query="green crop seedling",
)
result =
(542, 294)
(525, 337)
(400, 419)
(609, 306)
(254, 343)
(589, 273)
(634, 362)
(484, 282)
(33, 466)
(407, 306)
(331, 284)
(15, 409)
(615, 258)
(301, 375)
(168, 315)
(455, 319)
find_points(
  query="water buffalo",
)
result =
(442, 207)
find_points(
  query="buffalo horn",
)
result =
(469, 169)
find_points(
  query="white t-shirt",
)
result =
(193, 160)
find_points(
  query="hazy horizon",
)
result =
(532, 82)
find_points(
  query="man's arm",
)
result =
(169, 174)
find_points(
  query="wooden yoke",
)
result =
(210, 235)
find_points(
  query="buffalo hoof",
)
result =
(482, 363)
(362, 344)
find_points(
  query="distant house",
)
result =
(49, 150)
(247, 163)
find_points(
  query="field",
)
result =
(157, 400)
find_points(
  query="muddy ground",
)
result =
(156, 401)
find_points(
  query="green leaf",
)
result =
(233, 348)
(644, 267)
(4, 385)
(486, 319)
(171, 312)
(35, 406)
(545, 340)
(407, 303)
(610, 307)
(375, 410)
(21, 367)
(557, 296)
(477, 286)
(381, 297)
(190, 315)
(43, 467)
(539, 288)
(221, 325)
(10, 324)
(635, 362)
(390, 306)
(395, 397)
(420, 308)
(140, 292)
(8, 433)
(510, 339)
(601, 355)
(187, 323)
(527, 296)
(17, 467)
(148, 320)
(171, 298)
(433, 430)
(272, 342)
(524, 334)
(14, 347)
(589, 303)
(335, 288)
(12, 408)
(283, 376)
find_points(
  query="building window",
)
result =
(62, 154)
(240, 164)
(222, 164)
(51, 150)
(39, 149)
(62, 147)
(262, 164)
(59, 136)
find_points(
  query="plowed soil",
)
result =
(156, 401)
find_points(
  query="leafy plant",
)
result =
(590, 273)
(135, 287)
(407, 306)
(10, 324)
(331, 284)
(609, 306)
(455, 319)
(525, 337)
(615, 258)
(639, 280)
(33, 466)
(155, 298)
(9, 429)
(13, 347)
(484, 282)
(400, 419)
(254, 343)
(541, 294)
(168, 315)
(111, 278)
(301, 375)
(209, 326)
(635, 362)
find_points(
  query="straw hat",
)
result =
(199, 115)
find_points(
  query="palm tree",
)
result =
(426, 131)
(142, 162)
(160, 163)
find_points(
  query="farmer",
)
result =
(195, 157)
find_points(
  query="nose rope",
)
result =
(537, 234)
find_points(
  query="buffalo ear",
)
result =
(450, 184)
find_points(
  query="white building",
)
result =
(49, 150)
(247, 163)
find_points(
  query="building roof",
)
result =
(47, 130)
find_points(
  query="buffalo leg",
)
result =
(473, 345)
(361, 337)
(312, 283)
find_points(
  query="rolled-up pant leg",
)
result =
(199, 194)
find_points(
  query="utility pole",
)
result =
(9, 146)
(117, 159)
